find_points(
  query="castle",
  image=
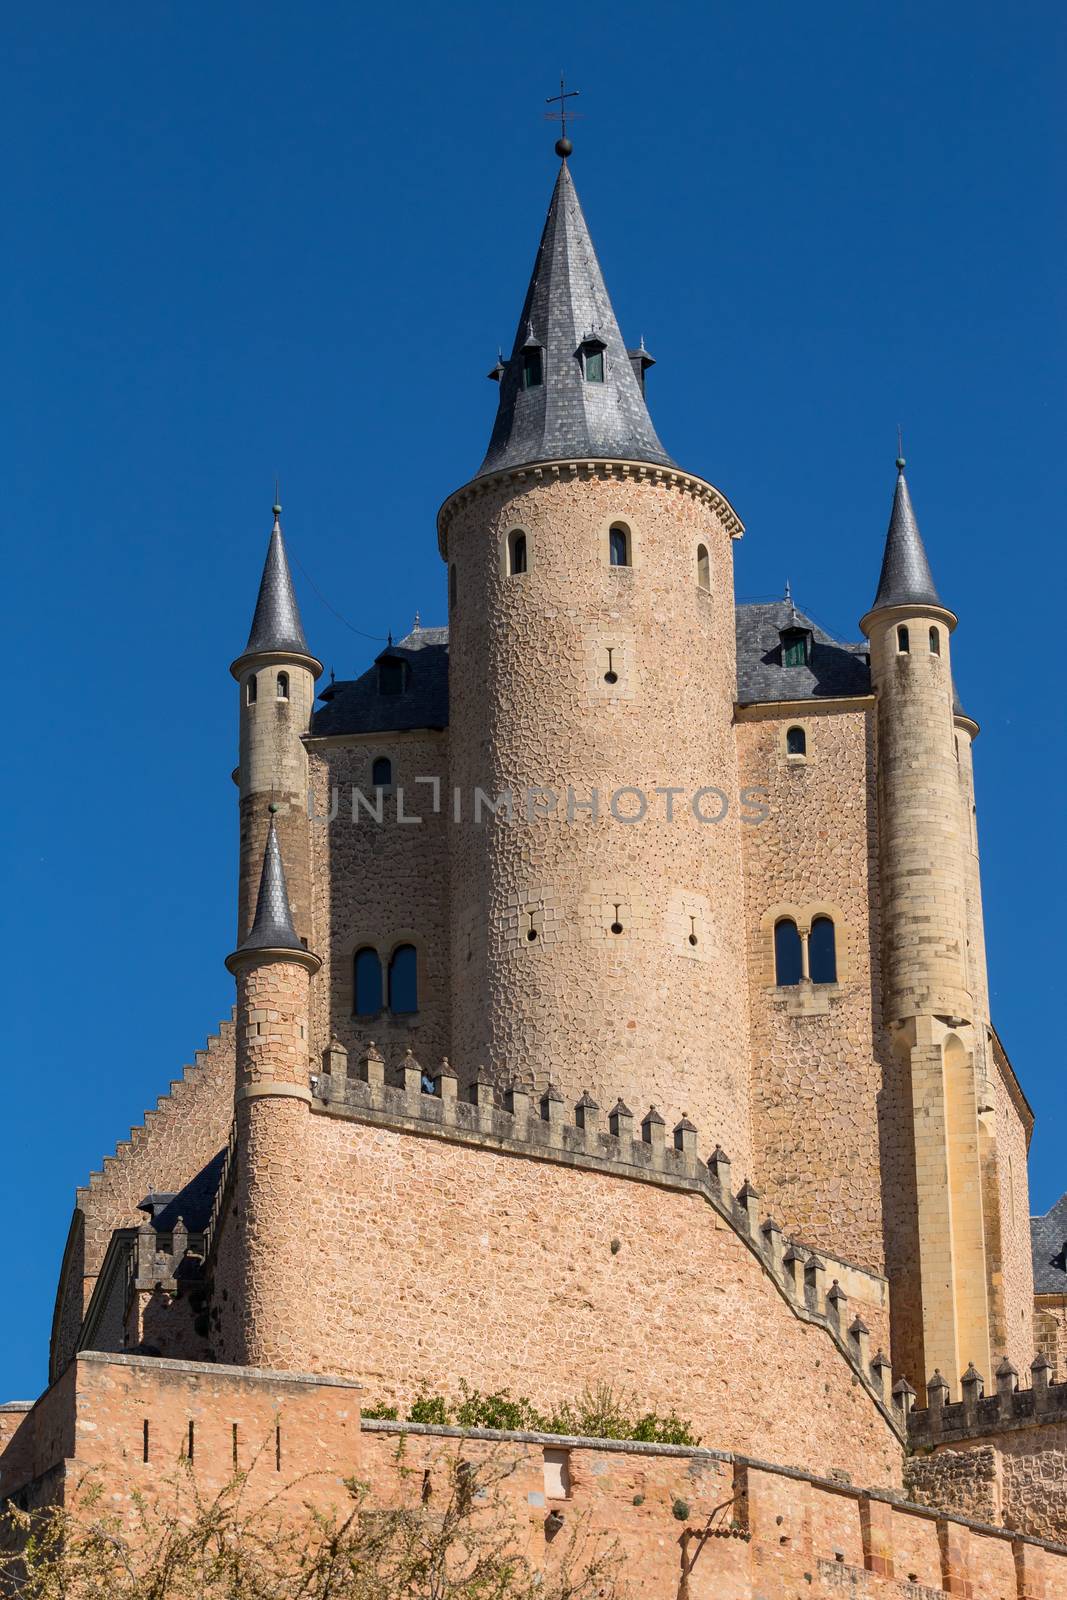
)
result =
(611, 1005)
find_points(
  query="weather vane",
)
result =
(563, 144)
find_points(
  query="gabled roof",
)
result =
(834, 669)
(906, 578)
(276, 624)
(1048, 1237)
(567, 304)
(356, 705)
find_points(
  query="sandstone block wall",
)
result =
(583, 675)
(1050, 1332)
(188, 1126)
(436, 1262)
(1017, 1479)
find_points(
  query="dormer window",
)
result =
(533, 375)
(392, 675)
(592, 358)
(796, 647)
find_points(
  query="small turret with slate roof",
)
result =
(272, 929)
(906, 579)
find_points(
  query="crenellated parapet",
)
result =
(977, 1414)
(640, 1149)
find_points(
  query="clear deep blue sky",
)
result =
(257, 239)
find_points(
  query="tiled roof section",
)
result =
(906, 578)
(835, 669)
(1048, 1237)
(276, 624)
(358, 706)
(272, 927)
(564, 416)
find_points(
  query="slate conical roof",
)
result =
(566, 304)
(272, 927)
(906, 578)
(276, 625)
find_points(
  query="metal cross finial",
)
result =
(563, 144)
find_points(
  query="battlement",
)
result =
(977, 1414)
(581, 1136)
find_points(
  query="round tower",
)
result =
(937, 1244)
(272, 1111)
(597, 912)
(276, 675)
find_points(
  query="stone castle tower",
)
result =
(611, 992)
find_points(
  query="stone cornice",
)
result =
(621, 471)
(750, 710)
(891, 614)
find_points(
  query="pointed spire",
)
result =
(906, 577)
(548, 410)
(272, 927)
(276, 625)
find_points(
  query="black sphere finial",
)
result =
(901, 463)
(564, 148)
(277, 509)
(274, 808)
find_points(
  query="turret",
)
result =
(273, 969)
(599, 933)
(942, 1299)
(276, 675)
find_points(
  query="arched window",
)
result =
(250, 691)
(787, 963)
(381, 772)
(453, 587)
(619, 545)
(283, 686)
(516, 552)
(796, 742)
(367, 971)
(935, 642)
(822, 952)
(403, 980)
(903, 642)
(703, 567)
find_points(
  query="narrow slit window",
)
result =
(403, 981)
(903, 641)
(935, 642)
(703, 567)
(234, 1442)
(381, 772)
(532, 368)
(796, 742)
(822, 951)
(368, 982)
(787, 961)
(283, 686)
(250, 691)
(190, 1448)
(516, 552)
(453, 587)
(144, 1440)
(619, 545)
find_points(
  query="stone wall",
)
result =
(1012, 1266)
(438, 1261)
(188, 1126)
(1050, 1332)
(381, 885)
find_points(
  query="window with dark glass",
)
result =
(392, 675)
(516, 552)
(796, 742)
(368, 982)
(787, 962)
(250, 691)
(935, 642)
(903, 642)
(619, 545)
(594, 366)
(703, 567)
(381, 772)
(283, 686)
(795, 642)
(403, 980)
(532, 370)
(822, 952)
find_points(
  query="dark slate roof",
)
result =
(276, 624)
(564, 416)
(272, 928)
(835, 668)
(357, 706)
(192, 1204)
(1048, 1237)
(906, 578)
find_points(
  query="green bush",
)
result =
(600, 1413)
(431, 1408)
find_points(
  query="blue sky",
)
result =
(249, 240)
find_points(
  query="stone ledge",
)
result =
(214, 1369)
